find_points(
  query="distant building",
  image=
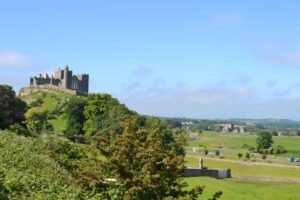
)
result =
(65, 80)
(230, 128)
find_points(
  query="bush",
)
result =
(205, 151)
(240, 155)
(19, 130)
(245, 146)
(280, 149)
(247, 156)
(264, 156)
(217, 153)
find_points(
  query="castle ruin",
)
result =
(63, 80)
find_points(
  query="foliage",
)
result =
(36, 119)
(103, 113)
(30, 172)
(217, 152)
(240, 155)
(74, 116)
(12, 109)
(144, 162)
(264, 156)
(279, 149)
(3, 190)
(205, 151)
(247, 155)
(264, 140)
(19, 130)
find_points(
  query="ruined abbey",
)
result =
(63, 80)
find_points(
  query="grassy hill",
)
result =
(54, 102)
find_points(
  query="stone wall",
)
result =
(214, 173)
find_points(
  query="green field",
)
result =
(216, 140)
(244, 190)
(247, 170)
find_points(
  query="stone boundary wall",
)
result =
(214, 173)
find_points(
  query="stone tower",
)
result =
(66, 78)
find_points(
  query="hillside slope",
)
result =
(53, 101)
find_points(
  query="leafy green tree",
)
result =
(247, 155)
(264, 140)
(206, 151)
(74, 116)
(141, 165)
(240, 155)
(36, 119)
(12, 109)
(103, 113)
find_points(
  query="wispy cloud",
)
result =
(280, 51)
(142, 72)
(15, 60)
(226, 18)
(286, 59)
(16, 68)
(192, 101)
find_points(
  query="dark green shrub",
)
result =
(19, 130)
(240, 155)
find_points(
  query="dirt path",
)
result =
(245, 162)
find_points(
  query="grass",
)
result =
(247, 170)
(245, 190)
(58, 124)
(216, 140)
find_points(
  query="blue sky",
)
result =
(200, 59)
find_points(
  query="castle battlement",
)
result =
(65, 80)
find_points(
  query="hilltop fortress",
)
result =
(63, 80)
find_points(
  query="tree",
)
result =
(240, 155)
(142, 165)
(247, 155)
(36, 119)
(264, 140)
(74, 116)
(12, 109)
(103, 113)
(206, 151)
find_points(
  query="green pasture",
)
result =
(248, 170)
(217, 140)
(245, 190)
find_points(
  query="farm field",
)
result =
(245, 190)
(234, 141)
(234, 144)
(274, 178)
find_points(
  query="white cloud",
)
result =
(188, 101)
(211, 103)
(15, 60)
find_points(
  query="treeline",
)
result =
(278, 126)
